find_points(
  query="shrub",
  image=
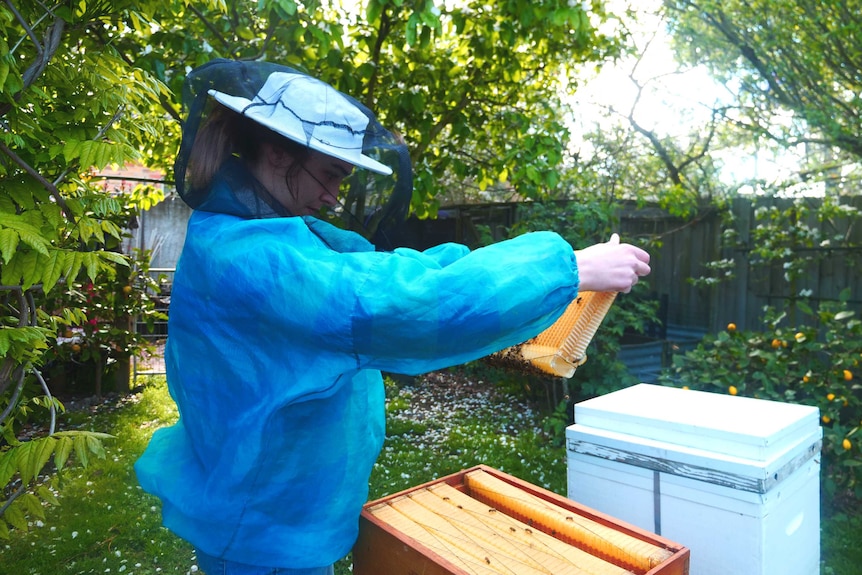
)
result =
(815, 361)
(96, 334)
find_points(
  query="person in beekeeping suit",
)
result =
(281, 322)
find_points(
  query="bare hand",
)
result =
(611, 266)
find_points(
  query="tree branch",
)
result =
(382, 34)
(52, 41)
(52, 189)
(208, 24)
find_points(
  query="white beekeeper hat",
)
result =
(310, 112)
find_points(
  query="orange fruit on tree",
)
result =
(731, 327)
(732, 390)
(830, 396)
(846, 444)
(776, 343)
(848, 375)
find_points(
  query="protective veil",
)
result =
(376, 198)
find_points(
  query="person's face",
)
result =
(315, 184)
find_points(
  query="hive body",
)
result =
(483, 522)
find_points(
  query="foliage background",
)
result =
(479, 90)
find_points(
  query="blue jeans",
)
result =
(215, 566)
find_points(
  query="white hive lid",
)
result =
(741, 427)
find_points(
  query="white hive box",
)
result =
(736, 480)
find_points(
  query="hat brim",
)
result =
(241, 105)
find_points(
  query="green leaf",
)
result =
(10, 274)
(32, 457)
(412, 23)
(32, 505)
(80, 445)
(91, 262)
(29, 268)
(373, 11)
(95, 446)
(4, 72)
(137, 25)
(115, 257)
(8, 465)
(47, 495)
(62, 451)
(14, 516)
(5, 343)
(804, 307)
(74, 264)
(26, 232)
(53, 269)
(90, 153)
(8, 243)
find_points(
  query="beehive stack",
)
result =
(561, 348)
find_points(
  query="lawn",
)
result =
(105, 524)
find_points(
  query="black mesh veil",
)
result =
(372, 202)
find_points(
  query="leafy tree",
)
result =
(795, 68)
(69, 106)
(475, 89)
(624, 150)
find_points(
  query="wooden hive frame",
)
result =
(481, 521)
(562, 347)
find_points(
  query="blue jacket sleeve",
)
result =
(437, 256)
(415, 313)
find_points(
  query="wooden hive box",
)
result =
(481, 521)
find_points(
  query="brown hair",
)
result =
(226, 133)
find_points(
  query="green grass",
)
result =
(841, 544)
(106, 524)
